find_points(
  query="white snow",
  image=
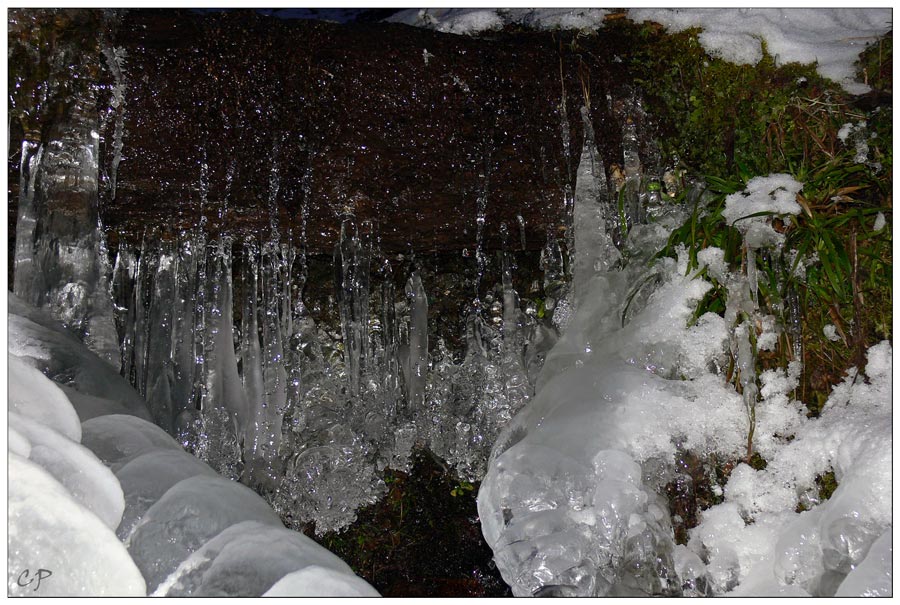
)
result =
(190, 513)
(775, 194)
(248, 558)
(818, 548)
(830, 38)
(49, 530)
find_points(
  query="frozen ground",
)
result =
(831, 38)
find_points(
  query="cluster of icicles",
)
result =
(307, 416)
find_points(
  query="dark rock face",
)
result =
(254, 122)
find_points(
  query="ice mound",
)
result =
(44, 343)
(75, 467)
(570, 504)
(316, 581)
(52, 533)
(119, 438)
(148, 477)
(248, 558)
(190, 513)
(34, 395)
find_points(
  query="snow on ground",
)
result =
(831, 38)
(65, 503)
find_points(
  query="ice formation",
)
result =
(571, 503)
(34, 395)
(248, 558)
(573, 421)
(65, 503)
(189, 514)
(147, 478)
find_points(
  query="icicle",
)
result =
(159, 371)
(568, 191)
(633, 211)
(115, 61)
(251, 354)
(794, 327)
(29, 278)
(183, 329)
(390, 362)
(594, 249)
(352, 284)
(417, 364)
(274, 375)
(143, 295)
(124, 279)
(515, 381)
(223, 402)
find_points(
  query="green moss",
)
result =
(826, 483)
(714, 114)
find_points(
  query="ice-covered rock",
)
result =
(247, 559)
(18, 443)
(318, 581)
(34, 395)
(146, 478)
(56, 547)
(119, 438)
(186, 517)
(35, 336)
(90, 406)
(874, 576)
(75, 467)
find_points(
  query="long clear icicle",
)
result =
(417, 361)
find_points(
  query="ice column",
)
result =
(159, 371)
(417, 362)
(594, 249)
(59, 248)
(223, 403)
(352, 284)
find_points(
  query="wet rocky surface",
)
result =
(256, 122)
